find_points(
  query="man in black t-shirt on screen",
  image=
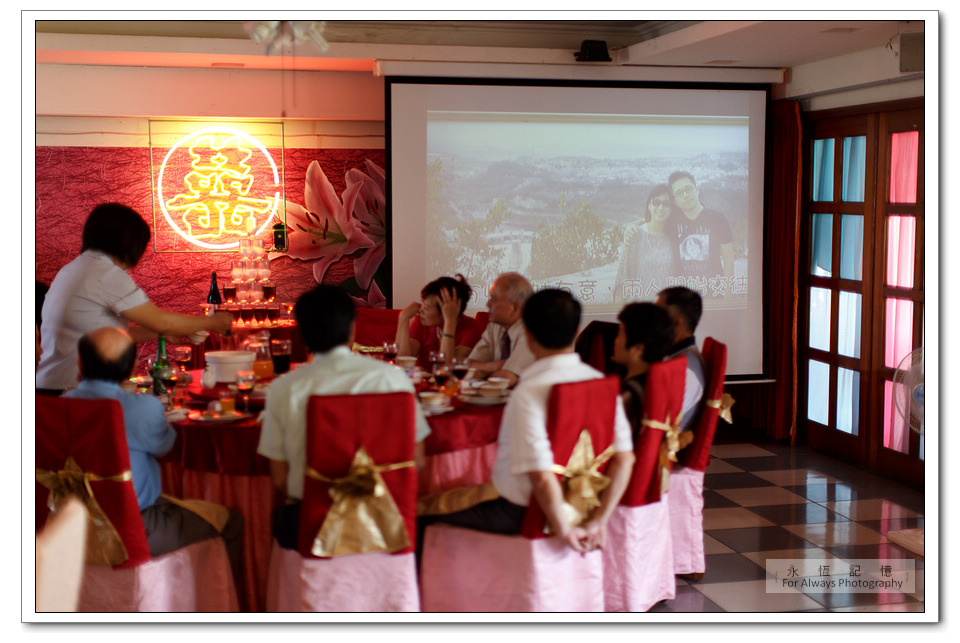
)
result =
(704, 239)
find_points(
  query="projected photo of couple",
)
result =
(613, 209)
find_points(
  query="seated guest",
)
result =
(107, 357)
(524, 464)
(502, 351)
(325, 316)
(644, 337)
(438, 323)
(685, 308)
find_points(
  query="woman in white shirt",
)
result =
(94, 290)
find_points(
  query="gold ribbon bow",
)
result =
(104, 545)
(364, 517)
(725, 403)
(363, 348)
(673, 440)
(582, 482)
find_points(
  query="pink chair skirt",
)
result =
(195, 578)
(464, 570)
(686, 521)
(638, 558)
(375, 582)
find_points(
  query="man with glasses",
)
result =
(502, 350)
(704, 238)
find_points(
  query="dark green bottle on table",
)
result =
(161, 368)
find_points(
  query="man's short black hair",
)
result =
(687, 303)
(648, 324)
(325, 316)
(95, 366)
(116, 230)
(552, 316)
(680, 174)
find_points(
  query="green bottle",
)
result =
(161, 368)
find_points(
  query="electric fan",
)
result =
(908, 394)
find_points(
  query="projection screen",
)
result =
(552, 181)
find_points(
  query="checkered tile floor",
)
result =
(769, 500)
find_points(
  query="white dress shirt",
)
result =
(523, 445)
(488, 348)
(336, 372)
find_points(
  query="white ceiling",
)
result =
(356, 45)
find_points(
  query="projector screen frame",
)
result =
(764, 88)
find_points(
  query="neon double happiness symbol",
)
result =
(217, 185)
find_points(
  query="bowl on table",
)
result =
(225, 364)
(432, 399)
(406, 362)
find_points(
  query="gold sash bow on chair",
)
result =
(673, 440)
(364, 517)
(104, 545)
(363, 348)
(725, 403)
(582, 482)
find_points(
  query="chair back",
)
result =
(571, 408)
(697, 454)
(373, 326)
(595, 346)
(662, 403)
(337, 427)
(91, 433)
(483, 318)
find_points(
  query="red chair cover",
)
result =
(483, 317)
(697, 454)
(572, 407)
(662, 399)
(338, 425)
(374, 326)
(92, 433)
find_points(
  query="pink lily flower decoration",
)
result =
(375, 298)
(369, 210)
(323, 231)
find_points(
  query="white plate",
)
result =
(437, 410)
(213, 417)
(479, 400)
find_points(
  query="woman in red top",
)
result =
(437, 322)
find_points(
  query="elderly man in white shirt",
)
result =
(524, 463)
(325, 316)
(502, 350)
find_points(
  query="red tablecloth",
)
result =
(219, 463)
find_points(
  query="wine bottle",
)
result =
(161, 367)
(214, 297)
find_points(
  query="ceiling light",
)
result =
(284, 34)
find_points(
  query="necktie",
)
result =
(504, 345)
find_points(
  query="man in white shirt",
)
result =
(524, 463)
(685, 308)
(325, 316)
(502, 350)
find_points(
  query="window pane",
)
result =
(848, 401)
(904, 152)
(848, 332)
(818, 392)
(851, 247)
(854, 167)
(823, 170)
(896, 434)
(901, 246)
(821, 245)
(820, 318)
(899, 331)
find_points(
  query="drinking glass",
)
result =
(269, 291)
(460, 369)
(256, 291)
(273, 313)
(288, 309)
(441, 373)
(244, 248)
(181, 355)
(390, 351)
(256, 249)
(246, 315)
(249, 270)
(236, 270)
(246, 380)
(230, 292)
(243, 292)
(263, 269)
(260, 314)
(280, 353)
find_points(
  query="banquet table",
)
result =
(219, 463)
